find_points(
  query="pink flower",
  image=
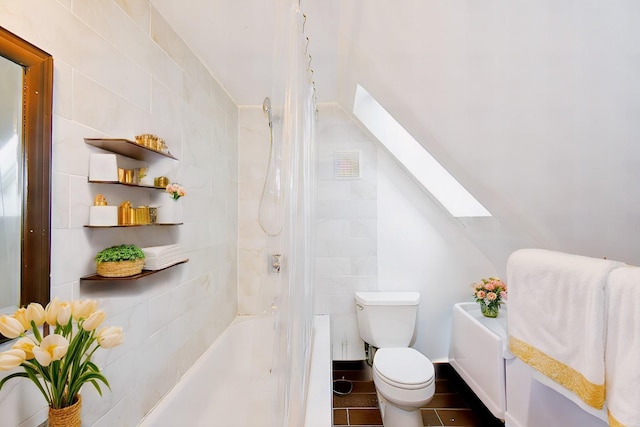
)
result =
(481, 294)
(498, 282)
(175, 190)
(503, 294)
(490, 286)
(491, 296)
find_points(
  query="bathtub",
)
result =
(231, 384)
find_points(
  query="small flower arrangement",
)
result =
(60, 363)
(490, 293)
(175, 190)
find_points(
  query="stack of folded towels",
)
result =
(159, 257)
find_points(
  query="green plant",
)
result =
(120, 253)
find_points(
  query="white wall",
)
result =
(121, 71)
(422, 248)
(383, 232)
(346, 250)
(258, 289)
(347, 243)
(532, 106)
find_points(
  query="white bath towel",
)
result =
(159, 257)
(557, 319)
(622, 355)
(160, 251)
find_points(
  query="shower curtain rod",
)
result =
(306, 51)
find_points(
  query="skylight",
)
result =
(433, 177)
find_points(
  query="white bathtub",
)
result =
(231, 384)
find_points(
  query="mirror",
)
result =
(26, 93)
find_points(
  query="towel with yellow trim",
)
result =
(556, 318)
(622, 354)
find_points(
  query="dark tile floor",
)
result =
(454, 404)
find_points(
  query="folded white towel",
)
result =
(158, 251)
(161, 265)
(557, 319)
(622, 355)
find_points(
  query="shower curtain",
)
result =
(294, 107)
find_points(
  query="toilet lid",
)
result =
(403, 367)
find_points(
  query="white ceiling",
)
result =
(533, 105)
(234, 39)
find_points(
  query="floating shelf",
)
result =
(159, 224)
(127, 148)
(97, 278)
(151, 187)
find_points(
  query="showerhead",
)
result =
(266, 107)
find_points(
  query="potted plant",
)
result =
(119, 261)
(59, 364)
(489, 293)
(171, 212)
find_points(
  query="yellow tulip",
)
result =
(26, 345)
(109, 337)
(82, 309)
(11, 359)
(51, 311)
(64, 313)
(21, 316)
(53, 347)
(10, 327)
(35, 313)
(58, 312)
(94, 320)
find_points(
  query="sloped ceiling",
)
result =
(234, 38)
(534, 106)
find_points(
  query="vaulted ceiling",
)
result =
(534, 106)
(234, 38)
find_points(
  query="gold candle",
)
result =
(123, 213)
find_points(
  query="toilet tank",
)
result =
(387, 319)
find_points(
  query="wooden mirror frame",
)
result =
(37, 100)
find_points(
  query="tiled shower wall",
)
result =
(120, 70)
(346, 252)
(347, 210)
(257, 288)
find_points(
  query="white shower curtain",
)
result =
(294, 123)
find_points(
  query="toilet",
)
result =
(404, 377)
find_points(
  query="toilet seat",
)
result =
(404, 368)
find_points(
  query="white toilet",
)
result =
(404, 377)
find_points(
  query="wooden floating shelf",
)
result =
(97, 278)
(127, 148)
(159, 224)
(151, 187)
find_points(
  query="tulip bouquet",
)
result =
(175, 191)
(60, 363)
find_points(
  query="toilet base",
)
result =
(394, 416)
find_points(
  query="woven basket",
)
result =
(119, 268)
(66, 417)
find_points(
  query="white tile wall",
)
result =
(346, 209)
(120, 71)
(257, 289)
(347, 216)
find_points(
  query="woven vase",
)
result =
(120, 268)
(66, 417)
